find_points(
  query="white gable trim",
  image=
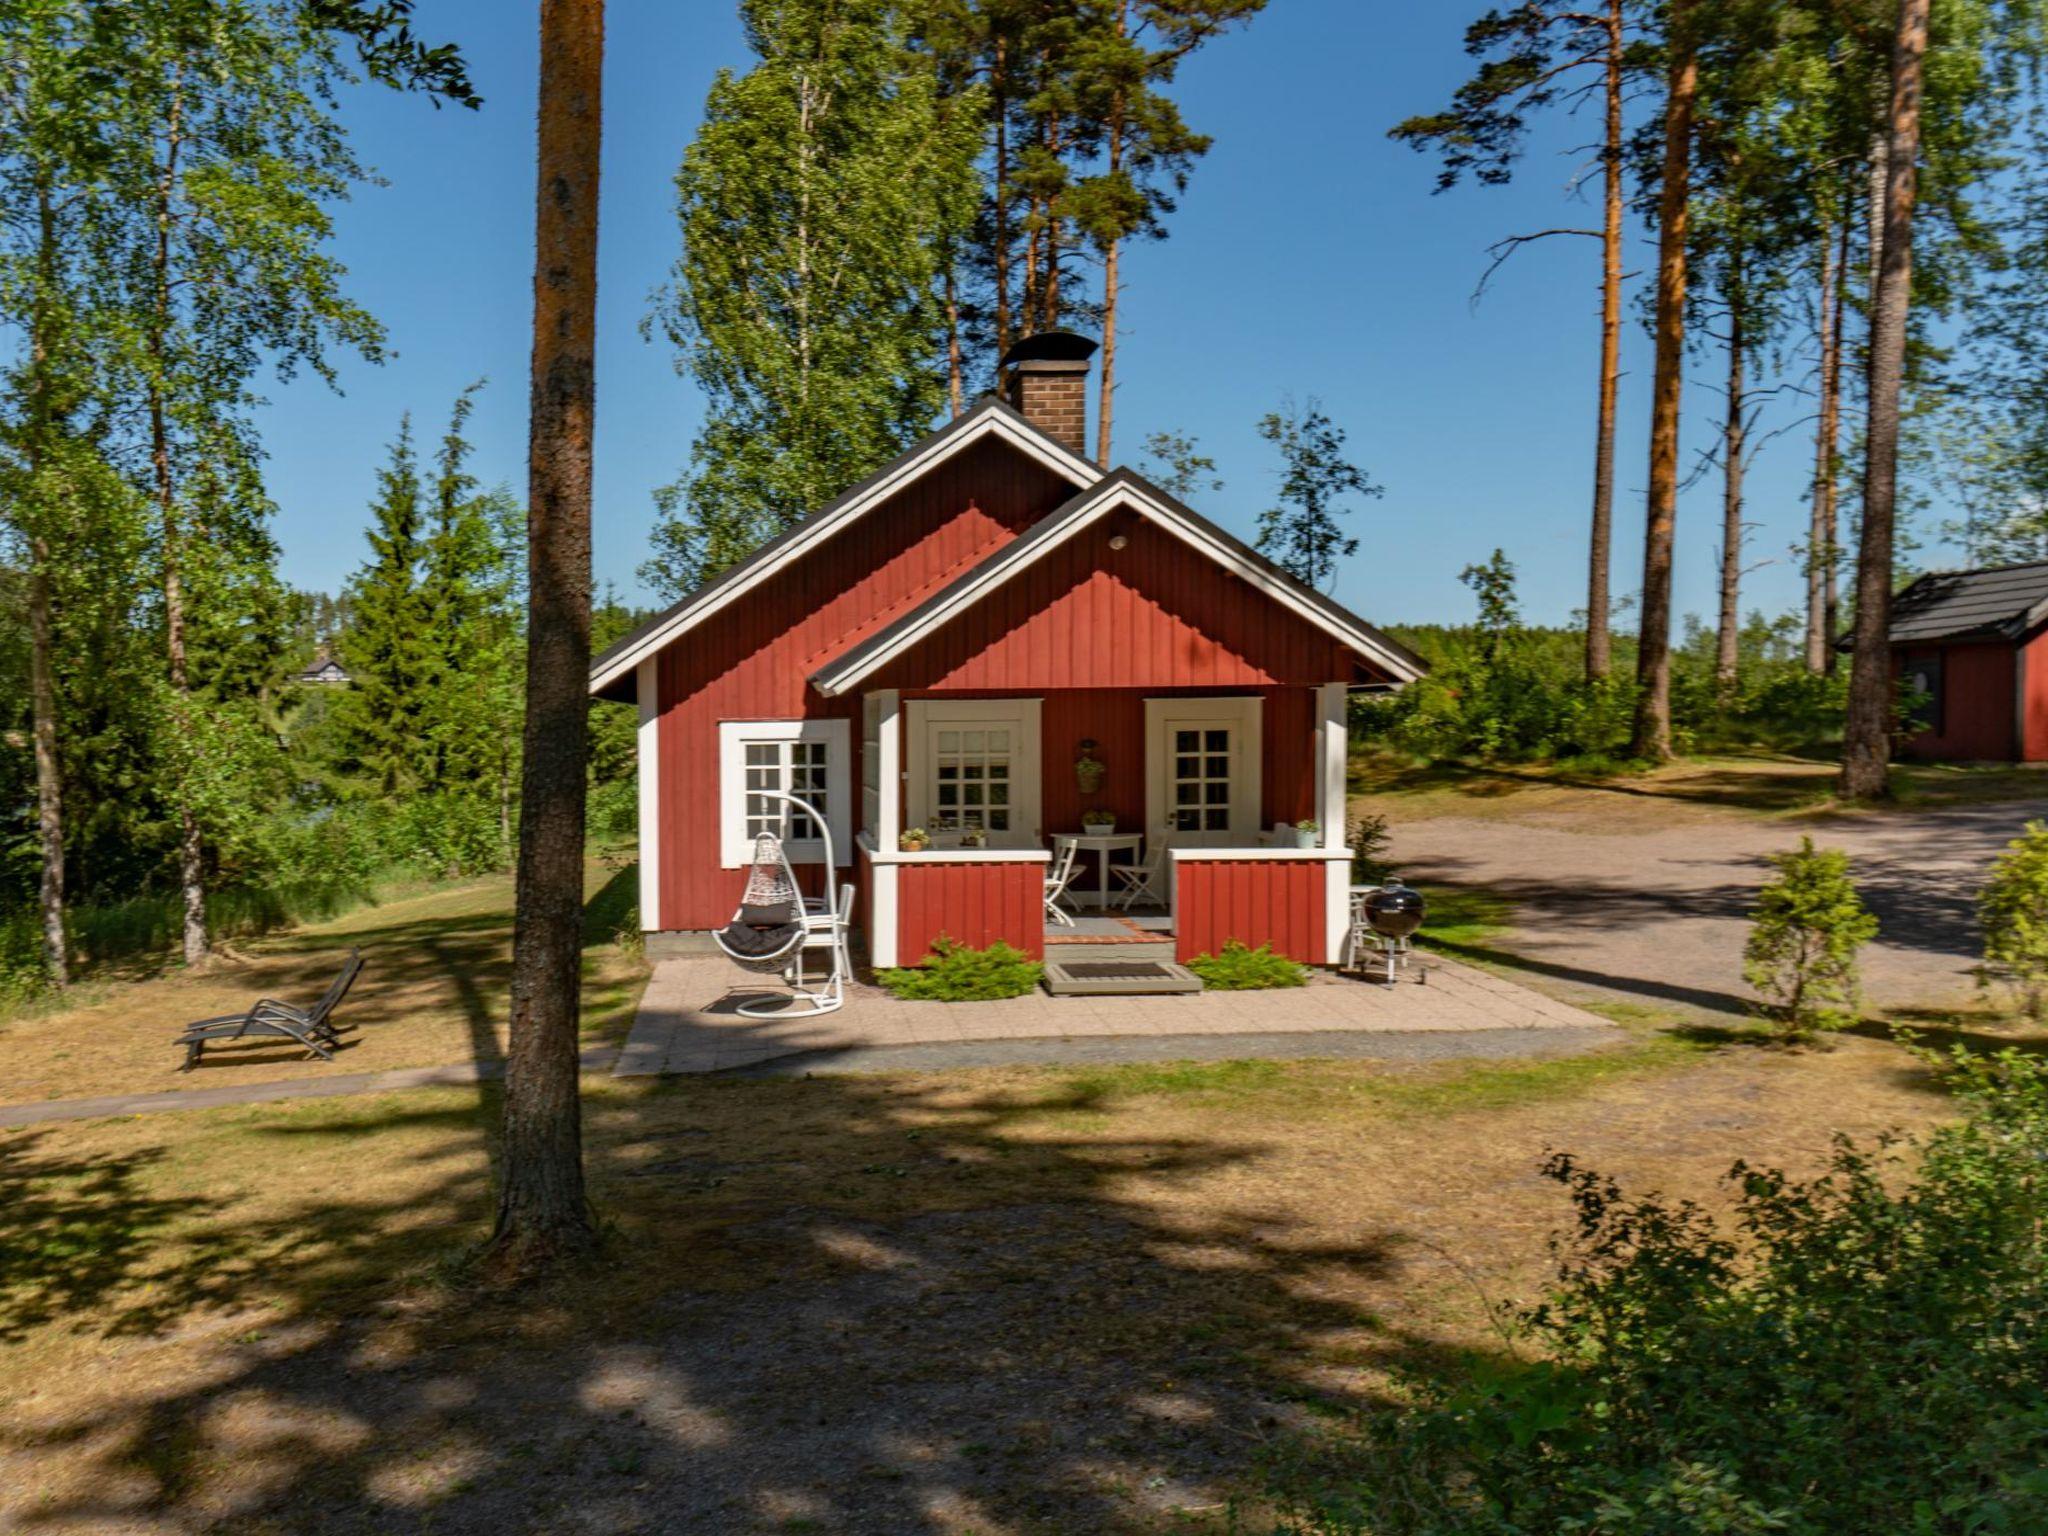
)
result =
(989, 420)
(1011, 560)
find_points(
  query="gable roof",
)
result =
(1119, 488)
(611, 672)
(2000, 603)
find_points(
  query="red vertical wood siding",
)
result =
(2033, 684)
(1154, 615)
(753, 660)
(975, 904)
(1979, 708)
(1254, 901)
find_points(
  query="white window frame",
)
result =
(1022, 716)
(1244, 714)
(736, 849)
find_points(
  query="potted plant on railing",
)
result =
(914, 840)
(1306, 832)
(1098, 822)
(973, 837)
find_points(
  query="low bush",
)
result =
(1856, 1352)
(955, 973)
(1809, 924)
(1241, 969)
(2013, 908)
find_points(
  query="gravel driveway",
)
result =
(1658, 915)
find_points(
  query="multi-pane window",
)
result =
(972, 787)
(810, 759)
(794, 768)
(1200, 776)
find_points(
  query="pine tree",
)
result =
(544, 1213)
(1534, 56)
(817, 204)
(1301, 533)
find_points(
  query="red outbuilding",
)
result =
(1973, 646)
(986, 640)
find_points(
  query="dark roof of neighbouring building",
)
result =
(2001, 603)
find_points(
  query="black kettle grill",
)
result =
(1394, 912)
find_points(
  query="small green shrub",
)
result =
(955, 973)
(1239, 969)
(2013, 907)
(1369, 837)
(1808, 926)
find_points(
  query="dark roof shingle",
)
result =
(2001, 603)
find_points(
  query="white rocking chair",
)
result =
(1057, 882)
(776, 924)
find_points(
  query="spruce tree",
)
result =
(388, 646)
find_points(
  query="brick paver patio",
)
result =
(688, 1023)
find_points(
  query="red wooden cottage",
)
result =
(934, 648)
(1973, 647)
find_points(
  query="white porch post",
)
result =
(1333, 765)
(882, 943)
(1333, 761)
(647, 693)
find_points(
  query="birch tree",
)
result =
(817, 206)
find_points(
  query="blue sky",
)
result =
(1308, 258)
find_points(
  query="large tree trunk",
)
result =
(1105, 410)
(1599, 643)
(1831, 600)
(1866, 744)
(543, 1212)
(1733, 447)
(1652, 738)
(42, 684)
(1820, 533)
(956, 393)
(49, 771)
(999, 106)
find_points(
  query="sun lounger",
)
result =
(268, 1018)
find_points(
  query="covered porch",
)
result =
(1186, 819)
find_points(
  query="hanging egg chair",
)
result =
(776, 923)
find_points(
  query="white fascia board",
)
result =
(1055, 457)
(1082, 518)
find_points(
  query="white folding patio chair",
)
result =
(1067, 851)
(1141, 880)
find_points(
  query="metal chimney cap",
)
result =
(1050, 347)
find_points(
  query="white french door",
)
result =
(1203, 771)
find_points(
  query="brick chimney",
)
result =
(1047, 380)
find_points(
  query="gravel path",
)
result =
(1658, 916)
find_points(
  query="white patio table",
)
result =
(1101, 844)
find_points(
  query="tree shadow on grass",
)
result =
(839, 1304)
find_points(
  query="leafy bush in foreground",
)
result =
(1239, 969)
(954, 973)
(1858, 1352)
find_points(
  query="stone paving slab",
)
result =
(1118, 1050)
(688, 1020)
